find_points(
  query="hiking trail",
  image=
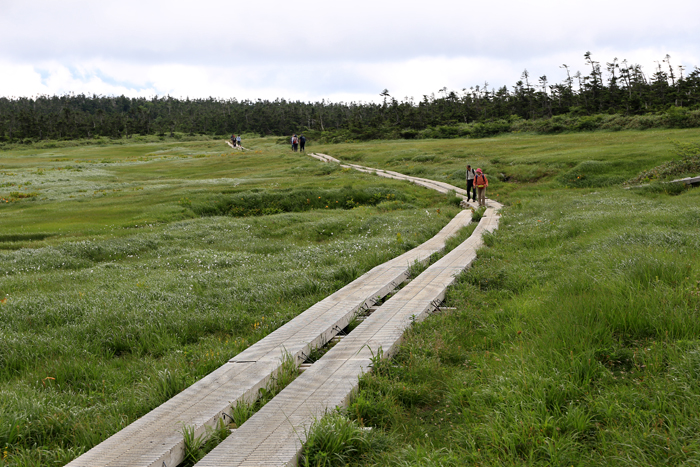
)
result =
(274, 435)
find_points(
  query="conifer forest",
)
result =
(612, 95)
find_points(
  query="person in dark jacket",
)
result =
(471, 189)
(302, 142)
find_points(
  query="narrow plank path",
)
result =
(274, 435)
(240, 148)
(156, 439)
(442, 187)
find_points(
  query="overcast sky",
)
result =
(312, 49)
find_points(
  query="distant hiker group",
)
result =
(476, 185)
(236, 141)
(298, 143)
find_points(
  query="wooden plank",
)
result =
(156, 438)
(441, 187)
(274, 435)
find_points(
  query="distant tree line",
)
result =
(615, 88)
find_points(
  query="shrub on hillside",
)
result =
(265, 202)
(688, 163)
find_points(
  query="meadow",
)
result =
(575, 337)
(129, 271)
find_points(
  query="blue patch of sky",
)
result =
(87, 76)
(44, 75)
(126, 84)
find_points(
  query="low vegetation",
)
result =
(116, 292)
(687, 163)
(574, 339)
(137, 269)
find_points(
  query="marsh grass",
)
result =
(509, 161)
(336, 440)
(687, 162)
(265, 202)
(575, 338)
(115, 300)
(196, 447)
(572, 343)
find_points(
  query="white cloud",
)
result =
(312, 49)
(20, 80)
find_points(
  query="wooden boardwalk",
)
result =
(156, 439)
(442, 187)
(240, 148)
(274, 435)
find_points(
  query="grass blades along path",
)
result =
(126, 274)
(133, 270)
(576, 334)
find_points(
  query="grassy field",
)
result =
(517, 161)
(576, 334)
(127, 272)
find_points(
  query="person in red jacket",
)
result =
(481, 182)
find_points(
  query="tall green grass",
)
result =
(115, 295)
(575, 338)
(575, 342)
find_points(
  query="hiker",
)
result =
(471, 189)
(481, 183)
(302, 143)
(238, 141)
(233, 140)
(295, 142)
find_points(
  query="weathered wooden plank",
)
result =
(156, 438)
(442, 187)
(274, 436)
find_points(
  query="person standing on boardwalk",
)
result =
(238, 141)
(481, 183)
(471, 189)
(302, 143)
(233, 140)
